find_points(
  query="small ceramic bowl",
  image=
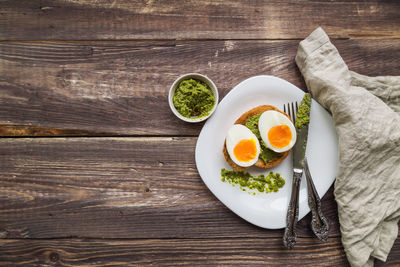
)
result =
(195, 76)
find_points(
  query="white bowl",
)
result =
(199, 77)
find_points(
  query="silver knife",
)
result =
(299, 150)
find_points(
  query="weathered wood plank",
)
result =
(116, 188)
(37, 131)
(191, 19)
(175, 252)
(121, 88)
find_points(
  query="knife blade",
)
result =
(299, 151)
(302, 122)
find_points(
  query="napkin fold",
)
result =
(366, 112)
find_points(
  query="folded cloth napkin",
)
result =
(366, 112)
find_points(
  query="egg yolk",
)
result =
(280, 136)
(245, 150)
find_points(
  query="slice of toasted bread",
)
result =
(260, 163)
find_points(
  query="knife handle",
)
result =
(289, 237)
(319, 224)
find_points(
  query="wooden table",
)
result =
(95, 169)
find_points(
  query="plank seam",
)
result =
(163, 238)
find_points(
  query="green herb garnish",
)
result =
(247, 182)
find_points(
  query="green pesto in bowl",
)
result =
(193, 98)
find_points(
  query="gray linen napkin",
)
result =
(366, 111)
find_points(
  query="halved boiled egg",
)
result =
(242, 145)
(277, 131)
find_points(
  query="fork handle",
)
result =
(289, 237)
(319, 224)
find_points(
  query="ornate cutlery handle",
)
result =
(319, 224)
(289, 237)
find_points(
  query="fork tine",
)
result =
(293, 113)
(291, 110)
(288, 108)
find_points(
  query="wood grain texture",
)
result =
(191, 252)
(116, 188)
(174, 252)
(108, 75)
(121, 88)
(37, 131)
(191, 19)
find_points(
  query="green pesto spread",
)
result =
(266, 154)
(249, 183)
(302, 116)
(193, 98)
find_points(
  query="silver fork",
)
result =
(319, 224)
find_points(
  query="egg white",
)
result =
(271, 118)
(235, 134)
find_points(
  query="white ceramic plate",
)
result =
(266, 210)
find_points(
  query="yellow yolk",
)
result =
(280, 136)
(245, 150)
